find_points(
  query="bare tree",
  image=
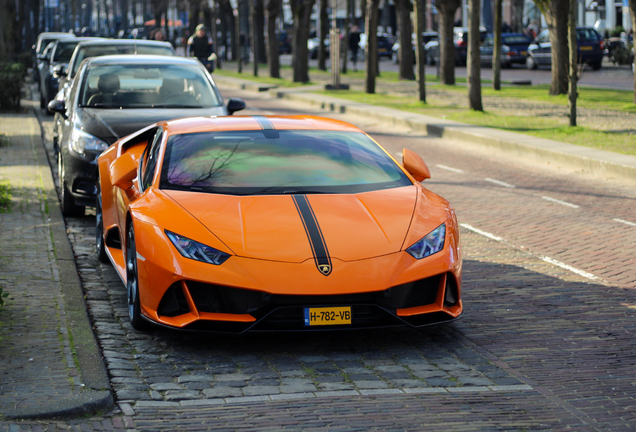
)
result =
(419, 49)
(496, 55)
(406, 48)
(371, 48)
(272, 10)
(517, 15)
(323, 32)
(260, 30)
(473, 69)
(574, 75)
(255, 36)
(301, 11)
(446, 13)
(556, 14)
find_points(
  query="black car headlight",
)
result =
(197, 251)
(430, 244)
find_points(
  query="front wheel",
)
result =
(132, 282)
(67, 203)
(100, 249)
(531, 63)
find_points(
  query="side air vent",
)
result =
(173, 302)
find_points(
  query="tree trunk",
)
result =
(406, 47)
(260, 31)
(255, 36)
(496, 55)
(447, 9)
(371, 48)
(632, 14)
(517, 15)
(301, 11)
(345, 40)
(323, 31)
(237, 32)
(272, 8)
(419, 48)
(574, 76)
(473, 69)
(556, 14)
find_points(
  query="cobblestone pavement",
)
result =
(540, 347)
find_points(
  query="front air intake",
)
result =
(174, 302)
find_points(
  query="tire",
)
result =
(531, 64)
(42, 102)
(100, 248)
(67, 203)
(132, 283)
(596, 66)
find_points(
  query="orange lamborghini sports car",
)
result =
(255, 223)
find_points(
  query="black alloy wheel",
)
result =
(132, 282)
(100, 249)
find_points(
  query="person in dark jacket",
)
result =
(200, 46)
(354, 45)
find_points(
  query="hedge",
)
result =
(11, 82)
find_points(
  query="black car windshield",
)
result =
(278, 162)
(147, 86)
(587, 34)
(104, 50)
(64, 51)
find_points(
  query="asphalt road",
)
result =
(609, 76)
(546, 342)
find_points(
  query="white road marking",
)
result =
(554, 200)
(567, 267)
(625, 222)
(447, 168)
(500, 183)
(478, 231)
(544, 258)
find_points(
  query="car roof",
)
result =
(113, 42)
(241, 123)
(55, 34)
(140, 59)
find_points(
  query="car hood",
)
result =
(111, 124)
(278, 227)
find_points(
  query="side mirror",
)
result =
(59, 71)
(415, 165)
(57, 106)
(234, 105)
(123, 171)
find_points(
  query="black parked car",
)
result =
(44, 39)
(589, 42)
(114, 96)
(58, 57)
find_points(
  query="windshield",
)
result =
(103, 50)
(278, 162)
(141, 86)
(587, 34)
(64, 51)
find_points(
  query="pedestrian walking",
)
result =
(200, 46)
(354, 45)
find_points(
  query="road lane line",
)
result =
(554, 200)
(500, 183)
(567, 267)
(447, 168)
(625, 222)
(544, 258)
(478, 231)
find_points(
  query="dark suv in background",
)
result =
(590, 49)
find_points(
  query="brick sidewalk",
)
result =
(41, 322)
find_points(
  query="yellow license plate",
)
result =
(586, 48)
(524, 52)
(328, 316)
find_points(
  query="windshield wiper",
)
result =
(176, 106)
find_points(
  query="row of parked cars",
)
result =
(99, 94)
(517, 48)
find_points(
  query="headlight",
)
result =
(197, 251)
(431, 243)
(81, 141)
